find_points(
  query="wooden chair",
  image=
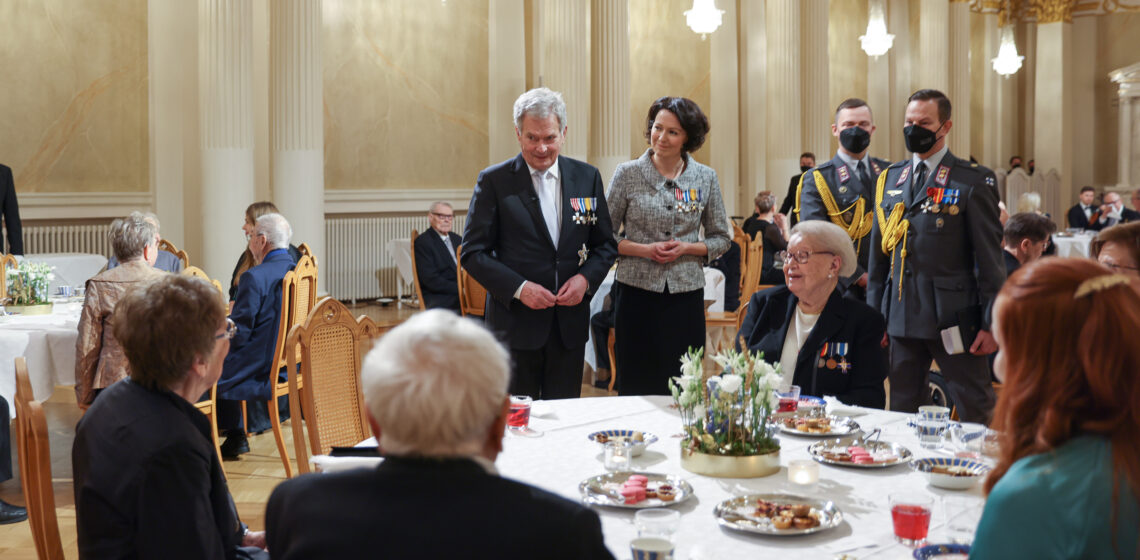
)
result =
(416, 273)
(742, 240)
(278, 388)
(6, 262)
(35, 468)
(210, 405)
(372, 332)
(327, 348)
(613, 360)
(307, 251)
(164, 245)
(733, 319)
(472, 295)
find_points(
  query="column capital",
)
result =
(1127, 81)
(1053, 11)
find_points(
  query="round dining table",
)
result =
(47, 343)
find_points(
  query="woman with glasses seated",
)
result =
(1118, 248)
(659, 204)
(825, 343)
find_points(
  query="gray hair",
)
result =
(540, 103)
(154, 218)
(439, 203)
(826, 236)
(435, 385)
(275, 228)
(1029, 202)
(130, 235)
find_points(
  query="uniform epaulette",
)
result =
(899, 164)
(827, 163)
(973, 167)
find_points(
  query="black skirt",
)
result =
(651, 332)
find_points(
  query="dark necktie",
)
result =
(862, 171)
(920, 178)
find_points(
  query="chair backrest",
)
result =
(372, 333)
(742, 240)
(6, 262)
(327, 346)
(305, 296)
(751, 277)
(307, 251)
(35, 468)
(199, 273)
(164, 245)
(288, 297)
(416, 273)
(472, 295)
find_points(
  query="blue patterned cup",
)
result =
(651, 548)
(931, 423)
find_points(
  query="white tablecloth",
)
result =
(71, 269)
(1078, 245)
(562, 457)
(48, 344)
(401, 251)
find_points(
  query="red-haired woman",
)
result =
(1067, 483)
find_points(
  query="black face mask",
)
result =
(854, 139)
(805, 168)
(919, 139)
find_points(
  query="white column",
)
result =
(934, 45)
(1026, 94)
(170, 64)
(1053, 116)
(724, 109)
(610, 114)
(903, 80)
(226, 99)
(879, 94)
(783, 93)
(506, 70)
(818, 112)
(566, 67)
(753, 118)
(991, 153)
(959, 90)
(297, 121)
(1124, 149)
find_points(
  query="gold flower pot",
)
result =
(33, 309)
(730, 466)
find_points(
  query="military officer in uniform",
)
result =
(842, 190)
(936, 263)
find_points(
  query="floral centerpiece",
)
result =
(726, 417)
(27, 286)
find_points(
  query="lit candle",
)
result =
(803, 473)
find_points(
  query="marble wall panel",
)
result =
(405, 93)
(666, 58)
(74, 115)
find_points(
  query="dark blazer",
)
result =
(257, 314)
(790, 200)
(166, 261)
(1077, 218)
(507, 242)
(436, 270)
(5, 440)
(426, 508)
(148, 483)
(11, 212)
(843, 320)
(235, 278)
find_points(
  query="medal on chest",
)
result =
(585, 210)
(688, 200)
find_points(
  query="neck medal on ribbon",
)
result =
(688, 200)
(585, 210)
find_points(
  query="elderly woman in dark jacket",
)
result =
(826, 344)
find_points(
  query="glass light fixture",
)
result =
(1007, 62)
(876, 42)
(703, 17)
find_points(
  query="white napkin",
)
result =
(330, 464)
(837, 408)
(541, 409)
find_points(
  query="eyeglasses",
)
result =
(231, 330)
(444, 217)
(1115, 266)
(801, 257)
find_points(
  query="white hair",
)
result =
(540, 103)
(435, 384)
(130, 235)
(437, 204)
(275, 228)
(826, 236)
(1029, 202)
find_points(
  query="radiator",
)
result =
(67, 239)
(358, 261)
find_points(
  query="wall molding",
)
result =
(55, 206)
(368, 201)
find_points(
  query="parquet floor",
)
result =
(251, 479)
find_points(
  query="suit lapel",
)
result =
(530, 199)
(569, 190)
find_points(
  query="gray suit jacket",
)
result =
(953, 255)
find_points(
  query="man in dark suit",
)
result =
(8, 512)
(257, 314)
(1085, 214)
(10, 210)
(435, 259)
(538, 238)
(442, 456)
(936, 263)
(842, 190)
(1024, 238)
(807, 161)
(1113, 211)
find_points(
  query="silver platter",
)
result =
(738, 513)
(602, 490)
(840, 426)
(817, 449)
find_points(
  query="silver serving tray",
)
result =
(904, 455)
(840, 426)
(736, 513)
(602, 490)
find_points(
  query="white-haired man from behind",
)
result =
(436, 392)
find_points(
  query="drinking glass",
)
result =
(910, 515)
(651, 548)
(518, 420)
(962, 517)
(618, 456)
(789, 400)
(931, 422)
(657, 522)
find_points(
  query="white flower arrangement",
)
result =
(28, 283)
(727, 414)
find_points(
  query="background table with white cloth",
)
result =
(47, 342)
(1076, 245)
(70, 269)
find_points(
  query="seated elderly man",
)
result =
(1025, 237)
(148, 483)
(436, 390)
(99, 360)
(165, 260)
(436, 266)
(257, 313)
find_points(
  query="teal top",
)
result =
(1059, 505)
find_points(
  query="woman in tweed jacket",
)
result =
(659, 203)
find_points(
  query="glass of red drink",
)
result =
(519, 417)
(910, 514)
(789, 400)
